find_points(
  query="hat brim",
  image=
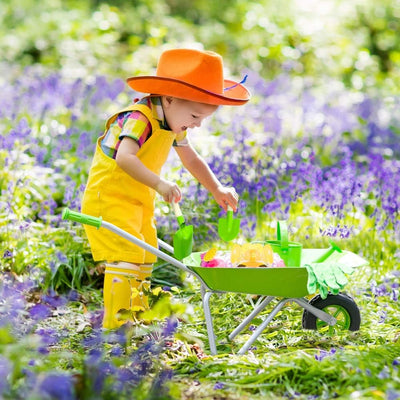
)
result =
(235, 95)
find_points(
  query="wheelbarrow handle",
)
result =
(82, 218)
(99, 222)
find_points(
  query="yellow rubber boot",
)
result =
(120, 281)
(140, 298)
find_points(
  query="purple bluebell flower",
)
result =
(57, 387)
(73, 295)
(252, 328)
(384, 374)
(43, 350)
(48, 208)
(143, 358)
(8, 254)
(116, 351)
(126, 376)
(24, 226)
(13, 304)
(392, 394)
(54, 300)
(170, 327)
(323, 354)
(97, 370)
(94, 340)
(118, 336)
(48, 336)
(94, 357)
(39, 312)
(96, 319)
(219, 386)
(69, 193)
(382, 317)
(159, 388)
(379, 290)
(395, 285)
(62, 258)
(5, 370)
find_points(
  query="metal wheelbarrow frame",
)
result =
(210, 280)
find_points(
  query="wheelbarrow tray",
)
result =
(278, 282)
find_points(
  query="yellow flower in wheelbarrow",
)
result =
(252, 255)
(210, 254)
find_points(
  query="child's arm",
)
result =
(128, 161)
(196, 165)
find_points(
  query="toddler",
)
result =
(125, 173)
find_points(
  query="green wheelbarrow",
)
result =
(287, 285)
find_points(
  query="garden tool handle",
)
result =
(229, 216)
(176, 208)
(82, 218)
(334, 247)
(282, 235)
(178, 212)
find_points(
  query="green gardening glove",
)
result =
(312, 283)
(323, 291)
(326, 277)
(346, 269)
(340, 271)
(340, 276)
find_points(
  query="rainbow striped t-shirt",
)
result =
(130, 124)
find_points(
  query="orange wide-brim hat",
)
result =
(192, 75)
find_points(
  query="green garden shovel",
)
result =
(228, 227)
(183, 237)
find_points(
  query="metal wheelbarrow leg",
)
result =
(300, 301)
(263, 325)
(206, 295)
(251, 316)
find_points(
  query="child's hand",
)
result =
(168, 190)
(226, 196)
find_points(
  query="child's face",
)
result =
(183, 114)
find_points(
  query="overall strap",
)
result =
(146, 111)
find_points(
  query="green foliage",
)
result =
(355, 42)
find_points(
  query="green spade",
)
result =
(228, 227)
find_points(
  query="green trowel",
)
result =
(183, 237)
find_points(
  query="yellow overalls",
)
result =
(112, 194)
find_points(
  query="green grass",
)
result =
(284, 360)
